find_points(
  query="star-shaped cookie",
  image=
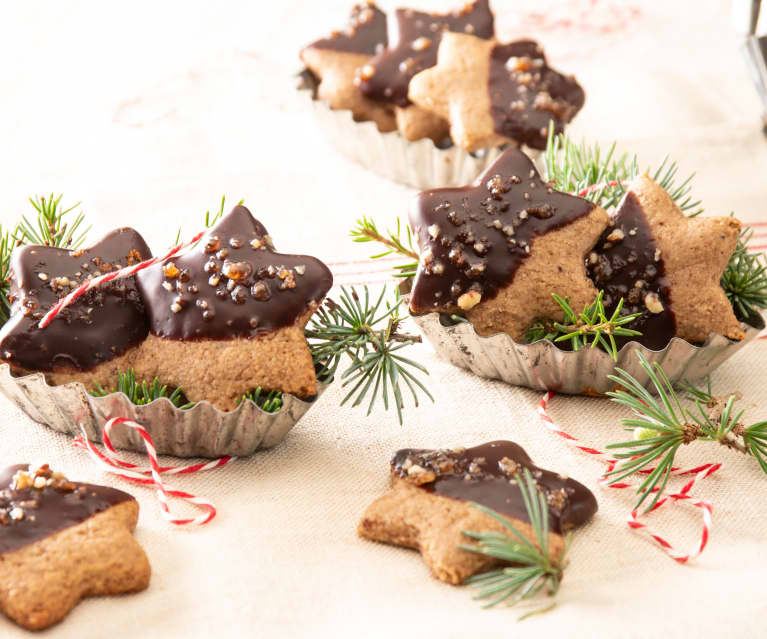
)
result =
(497, 249)
(93, 337)
(667, 266)
(387, 76)
(62, 541)
(336, 61)
(496, 93)
(427, 505)
(228, 315)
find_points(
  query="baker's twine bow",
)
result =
(683, 496)
(152, 475)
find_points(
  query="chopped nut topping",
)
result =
(419, 475)
(16, 513)
(433, 231)
(469, 299)
(237, 271)
(653, 303)
(656, 257)
(616, 235)
(43, 276)
(170, 271)
(508, 466)
(367, 71)
(421, 44)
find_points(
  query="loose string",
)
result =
(152, 475)
(683, 496)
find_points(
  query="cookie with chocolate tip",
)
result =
(337, 60)
(495, 93)
(666, 266)
(228, 315)
(61, 541)
(427, 506)
(498, 248)
(93, 338)
(387, 76)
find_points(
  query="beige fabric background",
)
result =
(148, 112)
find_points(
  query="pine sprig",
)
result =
(745, 279)
(49, 227)
(7, 244)
(591, 328)
(662, 425)
(267, 401)
(533, 568)
(367, 333)
(602, 178)
(142, 393)
(210, 219)
(395, 242)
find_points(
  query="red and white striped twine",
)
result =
(152, 475)
(683, 496)
(93, 282)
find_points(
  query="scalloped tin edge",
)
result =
(419, 164)
(201, 431)
(543, 366)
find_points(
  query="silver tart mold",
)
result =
(201, 431)
(420, 164)
(543, 366)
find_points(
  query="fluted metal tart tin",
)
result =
(200, 431)
(544, 366)
(420, 164)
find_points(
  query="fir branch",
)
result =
(602, 178)
(533, 565)
(745, 279)
(267, 401)
(368, 334)
(48, 227)
(662, 425)
(210, 219)
(7, 244)
(591, 328)
(367, 231)
(141, 393)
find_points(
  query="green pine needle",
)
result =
(745, 279)
(664, 425)
(533, 568)
(210, 219)
(591, 328)
(267, 401)
(367, 333)
(395, 243)
(49, 227)
(142, 393)
(602, 178)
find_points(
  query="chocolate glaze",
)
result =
(366, 32)
(526, 94)
(616, 266)
(488, 474)
(475, 237)
(54, 511)
(419, 35)
(99, 326)
(232, 284)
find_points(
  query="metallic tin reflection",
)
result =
(201, 431)
(543, 366)
(419, 164)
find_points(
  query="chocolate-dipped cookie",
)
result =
(427, 506)
(387, 76)
(497, 249)
(666, 266)
(61, 541)
(93, 338)
(336, 60)
(495, 93)
(229, 315)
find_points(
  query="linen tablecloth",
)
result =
(149, 112)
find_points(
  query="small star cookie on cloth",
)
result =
(668, 266)
(228, 315)
(386, 77)
(495, 93)
(427, 506)
(497, 249)
(61, 541)
(336, 61)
